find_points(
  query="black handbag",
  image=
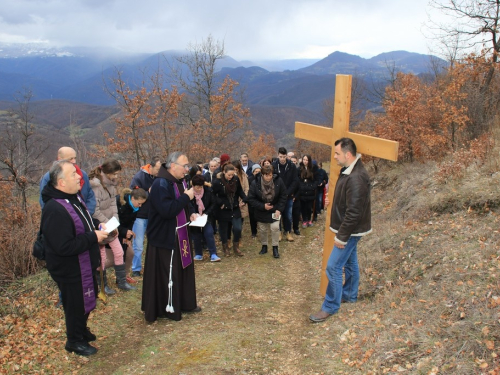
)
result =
(39, 245)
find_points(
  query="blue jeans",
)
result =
(224, 229)
(342, 259)
(139, 229)
(197, 235)
(287, 215)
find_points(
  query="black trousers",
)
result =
(306, 208)
(74, 310)
(296, 214)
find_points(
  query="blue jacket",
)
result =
(87, 193)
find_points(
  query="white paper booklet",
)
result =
(112, 224)
(200, 221)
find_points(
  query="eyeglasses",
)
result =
(185, 166)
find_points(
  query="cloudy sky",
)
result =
(257, 29)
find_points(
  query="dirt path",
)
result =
(254, 319)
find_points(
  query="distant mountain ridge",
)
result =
(274, 95)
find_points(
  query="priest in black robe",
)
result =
(169, 279)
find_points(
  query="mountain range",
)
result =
(274, 90)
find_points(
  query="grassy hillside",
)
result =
(429, 299)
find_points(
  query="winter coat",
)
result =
(307, 186)
(165, 207)
(351, 208)
(288, 173)
(255, 199)
(246, 187)
(144, 180)
(224, 211)
(208, 200)
(62, 245)
(126, 216)
(105, 207)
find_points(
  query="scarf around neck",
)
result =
(267, 190)
(199, 202)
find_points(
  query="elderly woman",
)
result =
(204, 204)
(268, 197)
(227, 190)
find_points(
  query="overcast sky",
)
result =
(256, 29)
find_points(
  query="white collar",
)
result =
(350, 168)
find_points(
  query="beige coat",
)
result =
(105, 200)
(245, 186)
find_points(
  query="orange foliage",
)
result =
(258, 147)
(424, 118)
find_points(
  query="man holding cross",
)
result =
(350, 219)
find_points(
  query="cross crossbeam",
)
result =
(366, 145)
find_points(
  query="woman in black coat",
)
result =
(308, 184)
(268, 198)
(227, 189)
(204, 204)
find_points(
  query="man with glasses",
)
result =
(169, 280)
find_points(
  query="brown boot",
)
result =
(289, 237)
(225, 247)
(236, 249)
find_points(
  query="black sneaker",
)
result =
(136, 274)
(80, 348)
(297, 232)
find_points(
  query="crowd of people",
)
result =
(277, 196)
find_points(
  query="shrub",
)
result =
(18, 229)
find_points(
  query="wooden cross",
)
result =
(378, 147)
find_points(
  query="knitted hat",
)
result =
(255, 166)
(224, 158)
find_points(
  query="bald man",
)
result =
(69, 154)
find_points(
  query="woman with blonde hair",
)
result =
(103, 181)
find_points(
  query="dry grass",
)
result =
(429, 300)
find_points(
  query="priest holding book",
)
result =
(169, 279)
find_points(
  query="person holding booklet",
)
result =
(169, 280)
(268, 198)
(204, 203)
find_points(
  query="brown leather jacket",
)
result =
(351, 209)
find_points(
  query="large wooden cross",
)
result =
(365, 145)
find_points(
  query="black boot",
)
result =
(107, 289)
(264, 250)
(121, 278)
(275, 252)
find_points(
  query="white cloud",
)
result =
(251, 30)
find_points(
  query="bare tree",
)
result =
(22, 147)
(212, 105)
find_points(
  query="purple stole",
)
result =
(182, 231)
(84, 258)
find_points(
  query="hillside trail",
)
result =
(254, 318)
